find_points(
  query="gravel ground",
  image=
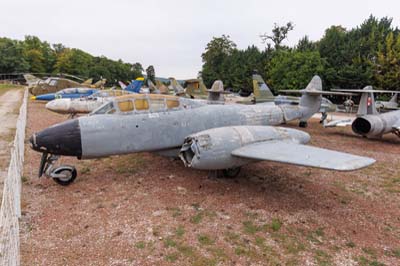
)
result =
(143, 209)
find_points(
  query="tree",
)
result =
(279, 34)
(217, 51)
(151, 73)
(294, 69)
(305, 45)
(11, 57)
(387, 67)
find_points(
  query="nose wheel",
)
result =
(62, 175)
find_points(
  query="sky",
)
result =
(171, 35)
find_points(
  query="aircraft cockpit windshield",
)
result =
(107, 108)
(68, 91)
(50, 81)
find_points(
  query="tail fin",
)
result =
(202, 87)
(215, 94)
(122, 85)
(394, 98)
(88, 82)
(161, 87)
(311, 99)
(367, 102)
(31, 79)
(100, 83)
(152, 87)
(135, 85)
(176, 86)
(260, 88)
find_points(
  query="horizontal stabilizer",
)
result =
(298, 154)
(366, 90)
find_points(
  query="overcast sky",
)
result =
(172, 35)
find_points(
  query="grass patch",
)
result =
(350, 244)
(322, 258)
(205, 240)
(232, 237)
(392, 185)
(24, 179)
(172, 257)
(276, 225)
(396, 253)
(85, 170)
(197, 218)
(140, 245)
(180, 231)
(129, 164)
(5, 87)
(176, 212)
(169, 242)
(363, 261)
(250, 228)
(369, 251)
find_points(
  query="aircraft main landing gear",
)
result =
(62, 175)
(231, 172)
(303, 124)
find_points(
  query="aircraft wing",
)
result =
(298, 154)
(365, 90)
(319, 92)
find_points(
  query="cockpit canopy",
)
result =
(142, 103)
(109, 93)
(75, 91)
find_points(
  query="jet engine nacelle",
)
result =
(211, 149)
(374, 125)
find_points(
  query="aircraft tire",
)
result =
(231, 172)
(71, 175)
(303, 124)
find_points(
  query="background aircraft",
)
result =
(393, 104)
(208, 137)
(369, 123)
(84, 105)
(65, 93)
(54, 84)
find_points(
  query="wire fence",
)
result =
(10, 211)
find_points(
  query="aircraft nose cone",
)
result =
(60, 139)
(58, 105)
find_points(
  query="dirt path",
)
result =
(9, 108)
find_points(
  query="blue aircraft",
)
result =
(65, 93)
(134, 86)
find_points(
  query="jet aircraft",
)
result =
(388, 105)
(205, 136)
(54, 84)
(65, 93)
(369, 123)
(83, 105)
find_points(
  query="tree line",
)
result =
(32, 55)
(368, 54)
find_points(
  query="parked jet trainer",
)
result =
(369, 123)
(206, 136)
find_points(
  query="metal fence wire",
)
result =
(10, 211)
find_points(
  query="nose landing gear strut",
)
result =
(62, 175)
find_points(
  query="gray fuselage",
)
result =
(105, 135)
